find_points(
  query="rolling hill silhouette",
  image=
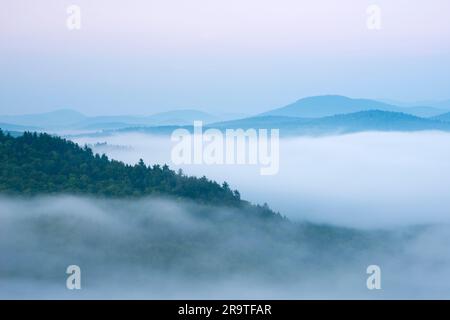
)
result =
(329, 105)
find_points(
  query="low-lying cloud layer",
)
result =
(369, 180)
(159, 248)
(382, 195)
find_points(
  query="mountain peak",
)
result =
(65, 111)
(60, 117)
(325, 97)
(329, 105)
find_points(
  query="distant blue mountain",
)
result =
(175, 117)
(438, 104)
(62, 118)
(443, 117)
(73, 120)
(372, 120)
(313, 115)
(329, 105)
(182, 117)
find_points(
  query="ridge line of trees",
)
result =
(35, 163)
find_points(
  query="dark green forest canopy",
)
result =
(34, 164)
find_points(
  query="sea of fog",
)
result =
(387, 193)
(158, 249)
(364, 180)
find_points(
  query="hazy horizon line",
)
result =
(394, 102)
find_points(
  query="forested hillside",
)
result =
(40, 163)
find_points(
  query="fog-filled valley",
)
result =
(160, 248)
(350, 201)
(364, 180)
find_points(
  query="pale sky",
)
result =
(146, 56)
